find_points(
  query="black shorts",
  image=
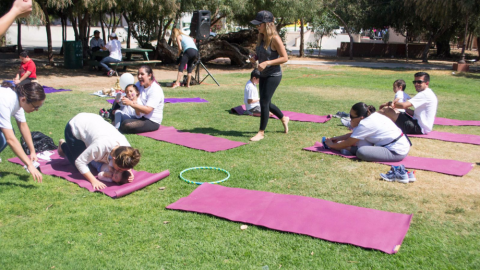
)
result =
(407, 124)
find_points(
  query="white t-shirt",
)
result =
(99, 137)
(152, 97)
(250, 93)
(128, 110)
(402, 97)
(115, 48)
(10, 106)
(379, 130)
(425, 103)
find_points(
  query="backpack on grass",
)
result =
(41, 142)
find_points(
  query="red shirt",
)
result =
(29, 66)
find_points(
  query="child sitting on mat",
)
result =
(127, 112)
(399, 90)
(107, 173)
(251, 99)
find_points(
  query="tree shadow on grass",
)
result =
(23, 177)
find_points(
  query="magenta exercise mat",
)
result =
(60, 167)
(192, 140)
(453, 122)
(445, 166)
(450, 137)
(176, 100)
(49, 90)
(331, 221)
(294, 116)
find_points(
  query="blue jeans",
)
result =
(107, 59)
(120, 117)
(3, 141)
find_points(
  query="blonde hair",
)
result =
(177, 32)
(271, 30)
(126, 157)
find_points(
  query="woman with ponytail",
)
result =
(374, 138)
(25, 98)
(90, 138)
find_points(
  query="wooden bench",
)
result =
(115, 65)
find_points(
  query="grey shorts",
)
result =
(253, 110)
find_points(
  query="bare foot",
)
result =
(175, 85)
(257, 137)
(59, 150)
(285, 120)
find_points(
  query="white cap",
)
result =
(113, 35)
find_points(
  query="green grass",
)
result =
(56, 224)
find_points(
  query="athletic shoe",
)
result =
(396, 174)
(106, 115)
(411, 176)
(341, 115)
(110, 73)
(102, 112)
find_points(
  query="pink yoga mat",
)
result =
(60, 167)
(192, 140)
(445, 166)
(453, 122)
(450, 137)
(176, 100)
(331, 221)
(294, 116)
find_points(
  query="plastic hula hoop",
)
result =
(204, 168)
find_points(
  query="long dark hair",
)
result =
(362, 109)
(149, 71)
(33, 92)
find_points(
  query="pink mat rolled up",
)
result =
(450, 137)
(192, 140)
(60, 167)
(453, 122)
(331, 221)
(294, 116)
(445, 166)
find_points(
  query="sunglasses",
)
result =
(419, 82)
(352, 117)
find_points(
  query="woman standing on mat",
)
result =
(374, 138)
(270, 53)
(186, 45)
(25, 98)
(90, 138)
(151, 104)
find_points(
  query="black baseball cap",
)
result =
(263, 16)
(96, 31)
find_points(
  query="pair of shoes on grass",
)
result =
(399, 174)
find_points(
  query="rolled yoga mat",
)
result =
(294, 116)
(453, 122)
(176, 100)
(331, 221)
(449, 137)
(445, 166)
(59, 166)
(49, 90)
(192, 140)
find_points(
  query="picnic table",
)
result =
(127, 60)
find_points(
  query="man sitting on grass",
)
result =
(425, 103)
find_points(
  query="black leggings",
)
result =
(188, 56)
(135, 126)
(73, 147)
(268, 86)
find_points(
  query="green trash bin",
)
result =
(73, 56)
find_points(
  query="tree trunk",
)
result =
(302, 41)
(351, 45)
(320, 45)
(64, 33)
(462, 59)
(427, 49)
(103, 28)
(128, 31)
(478, 46)
(19, 37)
(406, 47)
(49, 36)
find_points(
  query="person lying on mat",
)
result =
(107, 173)
(374, 138)
(25, 98)
(90, 138)
(425, 103)
(152, 98)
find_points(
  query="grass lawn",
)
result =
(57, 225)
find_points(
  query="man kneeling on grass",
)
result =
(425, 103)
